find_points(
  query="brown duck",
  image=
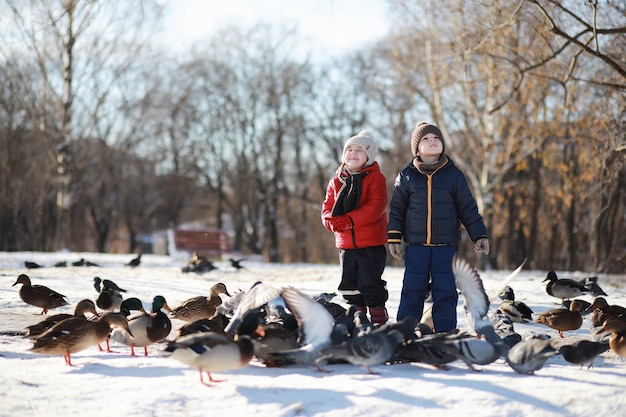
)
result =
(39, 295)
(562, 319)
(200, 307)
(76, 334)
(601, 311)
(83, 307)
(617, 340)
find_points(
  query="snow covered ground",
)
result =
(106, 384)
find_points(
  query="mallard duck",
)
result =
(106, 284)
(518, 311)
(146, 328)
(269, 337)
(76, 334)
(131, 304)
(109, 300)
(200, 307)
(617, 340)
(217, 323)
(39, 295)
(602, 311)
(564, 288)
(82, 308)
(562, 319)
(211, 352)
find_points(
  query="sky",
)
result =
(106, 384)
(333, 26)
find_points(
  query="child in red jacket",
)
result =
(354, 209)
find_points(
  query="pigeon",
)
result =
(135, 262)
(31, 265)
(591, 283)
(530, 355)
(258, 295)
(370, 349)
(236, 263)
(315, 326)
(476, 301)
(583, 351)
(503, 326)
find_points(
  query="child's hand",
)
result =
(397, 250)
(482, 246)
(339, 223)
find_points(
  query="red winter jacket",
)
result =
(369, 219)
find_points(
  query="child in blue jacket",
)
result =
(431, 198)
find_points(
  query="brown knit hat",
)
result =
(421, 130)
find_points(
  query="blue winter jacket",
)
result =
(429, 209)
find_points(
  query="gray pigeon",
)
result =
(315, 326)
(367, 350)
(530, 355)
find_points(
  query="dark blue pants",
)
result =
(361, 276)
(423, 264)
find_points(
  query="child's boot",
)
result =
(378, 315)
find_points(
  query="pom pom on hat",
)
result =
(421, 130)
(365, 140)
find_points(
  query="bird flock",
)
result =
(284, 326)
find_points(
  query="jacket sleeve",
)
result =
(398, 208)
(373, 202)
(329, 202)
(468, 210)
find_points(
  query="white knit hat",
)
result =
(365, 140)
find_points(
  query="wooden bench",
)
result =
(204, 242)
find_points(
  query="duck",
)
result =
(562, 319)
(131, 304)
(39, 295)
(601, 311)
(269, 337)
(198, 264)
(106, 284)
(76, 334)
(518, 311)
(216, 324)
(109, 300)
(80, 310)
(582, 351)
(211, 352)
(200, 307)
(617, 340)
(146, 328)
(564, 288)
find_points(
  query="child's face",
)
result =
(355, 157)
(430, 145)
